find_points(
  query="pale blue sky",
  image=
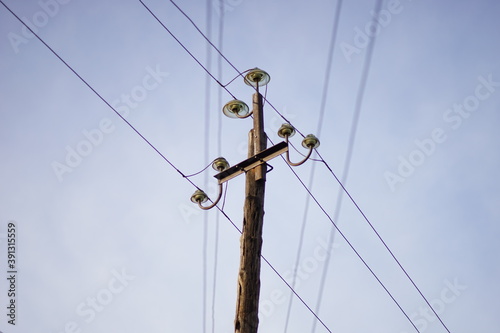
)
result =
(122, 211)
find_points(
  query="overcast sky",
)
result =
(107, 237)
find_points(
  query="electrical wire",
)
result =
(328, 70)
(362, 88)
(208, 83)
(347, 160)
(197, 173)
(219, 151)
(239, 72)
(300, 153)
(185, 48)
(265, 96)
(351, 246)
(153, 147)
(382, 241)
(107, 103)
(224, 197)
(156, 150)
(98, 95)
(280, 276)
(205, 269)
(297, 295)
(208, 40)
(237, 76)
(342, 189)
(309, 192)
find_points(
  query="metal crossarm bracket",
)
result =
(252, 162)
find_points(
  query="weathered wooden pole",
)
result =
(255, 167)
(247, 305)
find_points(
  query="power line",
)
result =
(219, 68)
(219, 149)
(297, 295)
(278, 274)
(345, 239)
(281, 277)
(349, 151)
(204, 278)
(362, 88)
(208, 82)
(197, 173)
(97, 94)
(328, 70)
(313, 167)
(128, 123)
(206, 38)
(239, 72)
(155, 149)
(351, 246)
(383, 242)
(185, 48)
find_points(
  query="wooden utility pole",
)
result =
(247, 305)
(255, 167)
